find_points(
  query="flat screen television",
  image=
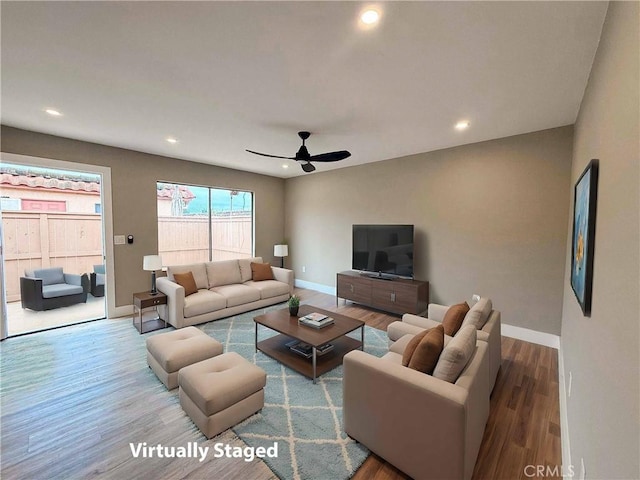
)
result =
(386, 250)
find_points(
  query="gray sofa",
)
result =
(427, 427)
(49, 288)
(224, 287)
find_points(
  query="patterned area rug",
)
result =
(305, 419)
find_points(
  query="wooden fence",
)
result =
(39, 240)
(74, 242)
(186, 239)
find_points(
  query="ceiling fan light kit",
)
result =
(303, 155)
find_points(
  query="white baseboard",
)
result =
(318, 287)
(122, 311)
(540, 338)
(564, 419)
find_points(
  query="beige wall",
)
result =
(601, 351)
(490, 219)
(133, 180)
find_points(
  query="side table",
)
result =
(143, 300)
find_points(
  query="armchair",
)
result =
(425, 426)
(97, 278)
(49, 288)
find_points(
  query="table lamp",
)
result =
(151, 263)
(281, 251)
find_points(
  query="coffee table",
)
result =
(288, 327)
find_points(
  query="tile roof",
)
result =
(48, 182)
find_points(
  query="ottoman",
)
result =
(168, 352)
(220, 392)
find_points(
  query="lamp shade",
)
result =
(280, 250)
(152, 262)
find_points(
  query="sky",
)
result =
(221, 201)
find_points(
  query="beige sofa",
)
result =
(490, 331)
(224, 288)
(425, 426)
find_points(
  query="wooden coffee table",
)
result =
(289, 329)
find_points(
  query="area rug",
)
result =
(305, 419)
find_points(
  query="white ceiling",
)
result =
(225, 76)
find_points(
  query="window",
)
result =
(199, 224)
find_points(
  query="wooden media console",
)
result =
(397, 295)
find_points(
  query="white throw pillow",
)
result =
(456, 354)
(478, 314)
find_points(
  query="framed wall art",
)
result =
(585, 194)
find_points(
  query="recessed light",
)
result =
(172, 140)
(370, 17)
(53, 112)
(462, 125)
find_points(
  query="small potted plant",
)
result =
(294, 304)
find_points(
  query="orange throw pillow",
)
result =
(454, 318)
(411, 347)
(426, 355)
(261, 271)
(187, 281)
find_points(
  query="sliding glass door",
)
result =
(52, 224)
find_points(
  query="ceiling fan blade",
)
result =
(272, 156)
(330, 157)
(307, 167)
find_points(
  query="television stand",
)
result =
(399, 296)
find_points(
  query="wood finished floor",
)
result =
(72, 399)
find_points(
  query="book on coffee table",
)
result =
(315, 316)
(306, 350)
(316, 320)
(323, 323)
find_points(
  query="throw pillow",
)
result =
(261, 272)
(187, 281)
(411, 347)
(454, 317)
(425, 357)
(456, 354)
(478, 314)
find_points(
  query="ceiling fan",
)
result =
(303, 155)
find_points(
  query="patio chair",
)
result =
(97, 278)
(49, 288)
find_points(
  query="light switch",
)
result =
(118, 240)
